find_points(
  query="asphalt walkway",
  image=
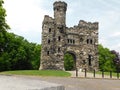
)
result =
(24, 83)
(32, 83)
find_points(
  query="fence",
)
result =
(96, 74)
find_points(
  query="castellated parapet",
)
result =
(57, 39)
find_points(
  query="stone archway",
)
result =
(70, 61)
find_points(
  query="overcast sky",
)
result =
(25, 18)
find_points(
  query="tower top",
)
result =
(59, 4)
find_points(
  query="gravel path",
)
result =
(69, 83)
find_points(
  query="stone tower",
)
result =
(81, 41)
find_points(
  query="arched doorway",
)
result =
(69, 61)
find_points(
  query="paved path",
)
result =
(84, 84)
(24, 83)
(69, 83)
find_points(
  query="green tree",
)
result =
(36, 56)
(106, 59)
(3, 27)
(15, 52)
(4, 62)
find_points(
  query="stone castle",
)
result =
(81, 41)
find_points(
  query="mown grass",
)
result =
(38, 73)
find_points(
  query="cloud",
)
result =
(116, 47)
(115, 34)
(25, 18)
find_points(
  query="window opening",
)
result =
(73, 41)
(48, 52)
(59, 49)
(59, 38)
(49, 30)
(90, 41)
(87, 41)
(48, 41)
(89, 60)
(70, 40)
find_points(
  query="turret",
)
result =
(60, 12)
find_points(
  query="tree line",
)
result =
(16, 53)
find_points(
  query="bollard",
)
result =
(117, 75)
(85, 73)
(102, 74)
(76, 72)
(110, 74)
(94, 73)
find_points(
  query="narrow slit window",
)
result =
(91, 41)
(89, 60)
(87, 41)
(68, 40)
(48, 52)
(73, 41)
(49, 30)
(59, 38)
(48, 41)
(59, 50)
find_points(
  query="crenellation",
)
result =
(80, 40)
(88, 25)
(59, 4)
(48, 19)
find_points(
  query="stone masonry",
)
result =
(57, 39)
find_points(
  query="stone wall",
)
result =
(57, 39)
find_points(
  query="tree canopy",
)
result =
(106, 59)
(16, 53)
(19, 54)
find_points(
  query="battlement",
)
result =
(83, 25)
(48, 19)
(59, 4)
(89, 25)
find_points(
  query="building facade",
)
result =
(57, 39)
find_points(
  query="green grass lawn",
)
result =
(38, 73)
